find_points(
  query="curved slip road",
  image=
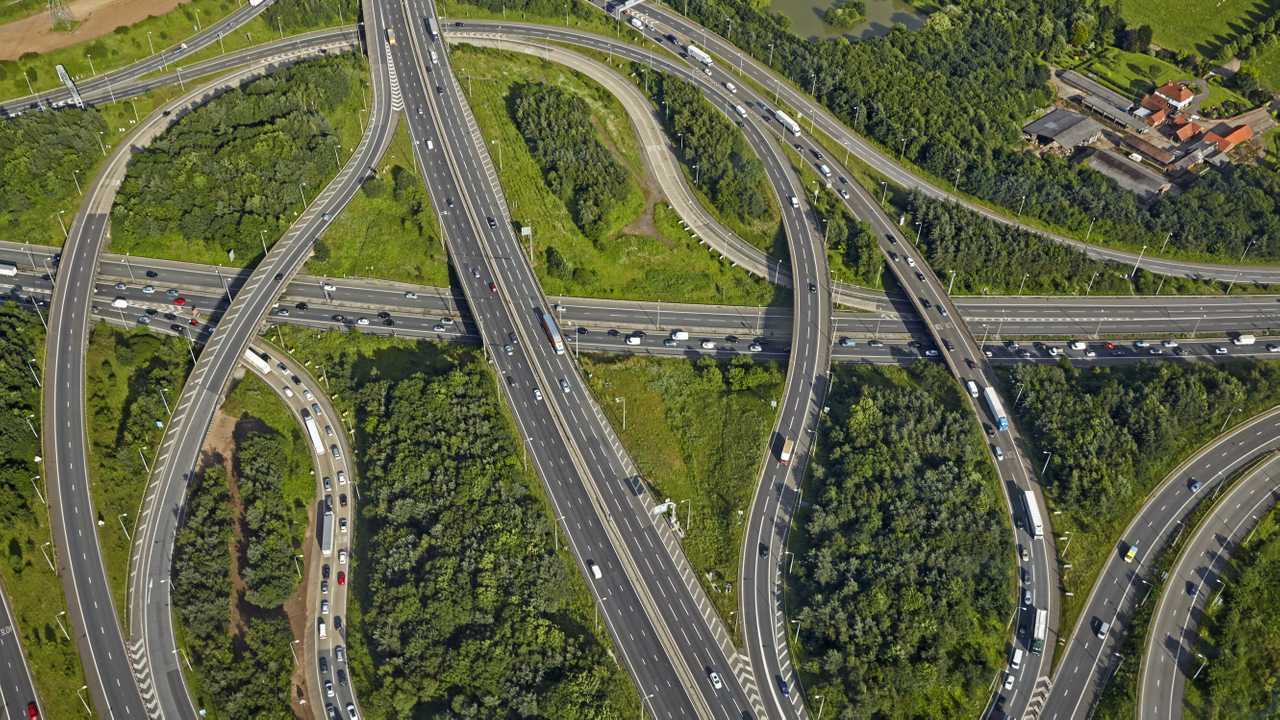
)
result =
(1088, 662)
(1170, 655)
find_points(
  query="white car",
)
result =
(708, 345)
(324, 607)
(564, 384)
(362, 321)
(1008, 682)
(1170, 343)
(1142, 344)
(328, 688)
(287, 392)
(329, 287)
(342, 477)
(537, 394)
(351, 712)
(342, 556)
(716, 682)
(342, 524)
(1220, 350)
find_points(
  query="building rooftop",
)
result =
(1067, 129)
(1095, 88)
(1128, 174)
(1113, 113)
(1157, 155)
(1176, 92)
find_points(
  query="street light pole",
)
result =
(1134, 275)
(1045, 469)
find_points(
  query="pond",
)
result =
(882, 15)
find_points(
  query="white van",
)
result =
(679, 335)
(1015, 662)
(731, 87)
(633, 339)
(324, 629)
(826, 171)
(1077, 345)
(595, 570)
(742, 112)
(972, 387)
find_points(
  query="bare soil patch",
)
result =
(95, 17)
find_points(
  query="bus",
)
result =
(391, 36)
(313, 431)
(553, 332)
(1034, 525)
(257, 361)
(433, 28)
(1038, 632)
(997, 409)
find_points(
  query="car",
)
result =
(506, 348)
(279, 277)
(564, 385)
(844, 193)
(342, 478)
(448, 202)
(121, 286)
(931, 352)
(324, 587)
(1026, 597)
(1024, 354)
(328, 483)
(1024, 553)
(325, 217)
(315, 406)
(999, 451)
(1109, 345)
(362, 321)
(144, 320)
(1131, 553)
(1101, 628)
(893, 256)
(148, 289)
(848, 342)
(342, 578)
(328, 287)
(328, 430)
(988, 430)
(328, 688)
(708, 345)
(1155, 351)
(1219, 350)
(925, 302)
(911, 261)
(1194, 485)
(384, 314)
(339, 318)
(342, 556)
(511, 337)
(342, 676)
(1011, 344)
(342, 499)
(1008, 681)
(716, 682)
(438, 328)
(493, 224)
(178, 328)
(340, 652)
(1091, 353)
(336, 452)
(324, 665)
(342, 524)
(493, 287)
(537, 393)
(295, 379)
(1272, 347)
(332, 711)
(301, 306)
(324, 571)
(969, 363)
(668, 342)
(943, 311)
(755, 347)
(282, 312)
(764, 550)
(875, 344)
(1170, 343)
(324, 607)
(920, 276)
(179, 301)
(410, 295)
(783, 687)
(947, 344)
(813, 288)
(1142, 344)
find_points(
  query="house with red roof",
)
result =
(1176, 94)
(1225, 142)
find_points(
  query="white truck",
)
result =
(635, 23)
(257, 361)
(679, 334)
(313, 431)
(326, 534)
(1244, 339)
(785, 121)
(697, 54)
(8, 269)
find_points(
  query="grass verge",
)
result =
(389, 229)
(697, 432)
(650, 258)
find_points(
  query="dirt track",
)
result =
(96, 18)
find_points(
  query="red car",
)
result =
(33, 713)
(493, 287)
(1109, 345)
(342, 578)
(179, 301)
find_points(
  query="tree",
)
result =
(1138, 39)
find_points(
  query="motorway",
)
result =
(107, 665)
(326, 574)
(895, 173)
(1171, 653)
(104, 84)
(1087, 661)
(150, 617)
(16, 688)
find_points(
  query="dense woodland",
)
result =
(306, 14)
(727, 172)
(268, 570)
(39, 156)
(243, 671)
(1242, 677)
(904, 569)
(850, 240)
(239, 164)
(19, 401)
(954, 95)
(578, 168)
(1113, 431)
(465, 606)
(991, 257)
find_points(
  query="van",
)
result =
(742, 112)
(633, 339)
(324, 629)
(730, 87)
(795, 202)
(826, 171)
(119, 303)
(1015, 662)
(1077, 345)
(1244, 340)
(595, 569)
(972, 387)
(679, 335)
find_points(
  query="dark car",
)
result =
(384, 314)
(764, 550)
(301, 306)
(813, 288)
(492, 223)
(784, 687)
(152, 273)
(324, 571)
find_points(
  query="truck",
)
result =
(552, 331)
(697, 54)
(1034, 525)
(635, 23)
(785, 121)
(788, 447)
(256, 3)
(8, 269)
(433, 28)
(1038, 631)
(391, 36)
(256, 361)
(313, 431)
(1244, 339)
(326, 534)
(997, 410)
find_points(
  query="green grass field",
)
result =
(697, 433)
(650, 257)
(130, 376)
(1267, 64)
(1133, 74)
(380, 233)
(1195, 27)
